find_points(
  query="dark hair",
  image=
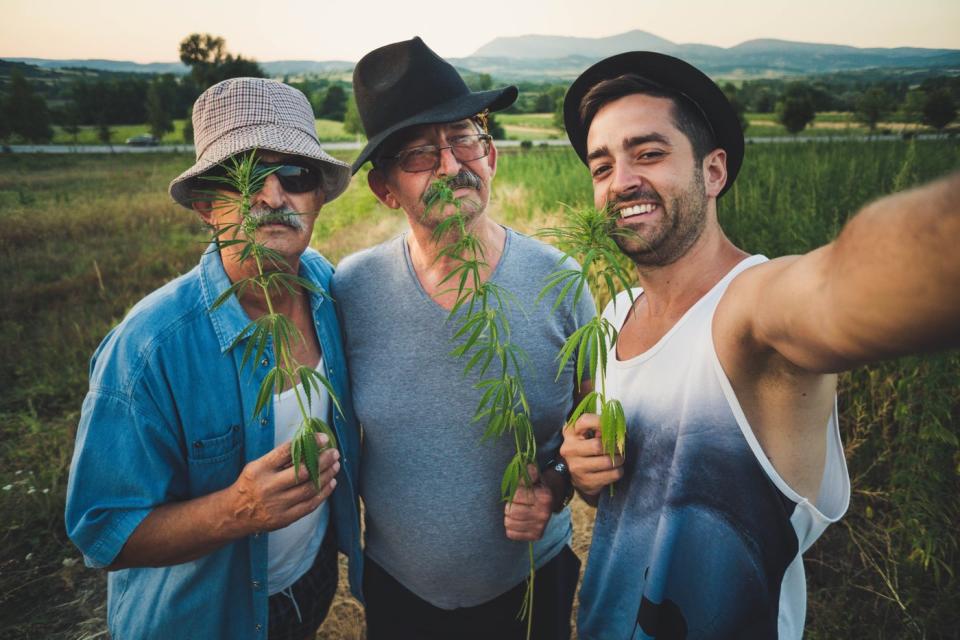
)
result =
(392, 145)
(687, 116)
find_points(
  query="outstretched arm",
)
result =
(889, 285)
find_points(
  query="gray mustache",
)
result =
(466, 179)
(262, 214)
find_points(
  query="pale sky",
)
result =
(346, 29)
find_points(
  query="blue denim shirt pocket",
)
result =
(216, 461)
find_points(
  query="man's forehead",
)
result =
(634, 116)
(434, 128)
(275, 156)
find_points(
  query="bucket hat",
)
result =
(673, 74)
(405, 84)
(241, 114)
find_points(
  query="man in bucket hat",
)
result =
(186, 498)
(726, 363)
(444, 557)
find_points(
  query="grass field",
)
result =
(84, 237)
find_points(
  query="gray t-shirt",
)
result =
(431, 488)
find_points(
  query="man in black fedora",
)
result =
(726, 363)
(444, 557)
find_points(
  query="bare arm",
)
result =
(266, 496)
(889, 285)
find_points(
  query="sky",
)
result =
(345, 30)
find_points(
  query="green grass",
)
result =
(86, 236)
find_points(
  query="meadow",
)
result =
(83, 237)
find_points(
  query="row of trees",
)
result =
(934, 106)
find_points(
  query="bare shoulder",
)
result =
(737, 323)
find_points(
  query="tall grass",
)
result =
(82, 238)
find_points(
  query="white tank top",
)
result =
(702, 537)
(292, 550)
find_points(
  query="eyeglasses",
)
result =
(427, 157)
(294, 178)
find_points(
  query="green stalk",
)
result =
(484, 337)
(243, 176)
(588, 238)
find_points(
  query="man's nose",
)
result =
(271, 194)
(449, 165)
(625, 179)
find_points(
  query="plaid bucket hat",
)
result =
(241, 114)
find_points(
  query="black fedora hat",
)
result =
(406, 84)
(670, 73)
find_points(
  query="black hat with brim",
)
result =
(670, 73)
(406, 84)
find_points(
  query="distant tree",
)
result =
(71, 120)
(738, 107)
(210, 63)
(4, 123)
(334, 105)
(939, 109)
(104, 133)
(872, 106)
(188, 127)
(480, 82)
(911, 109)
(25, 112)
(558, 116)
(765, 102)
(351, 120)
(544, 103)
(495, 129)
(796, 110)
(159, 104)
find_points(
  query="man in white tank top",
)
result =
(726, 363)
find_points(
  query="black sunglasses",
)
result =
(293, 177)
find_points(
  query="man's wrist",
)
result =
(556, 475)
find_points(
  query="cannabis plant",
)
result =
(484, 342)
(241, 178)
(588, 238)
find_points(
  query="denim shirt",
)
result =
(169, 417)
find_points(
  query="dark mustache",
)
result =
(465, 179)
(637, 194)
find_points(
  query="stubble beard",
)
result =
(684, 218)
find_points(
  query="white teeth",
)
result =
(636, 209)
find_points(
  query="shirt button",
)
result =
(258, 627)
(256, 584)
(256, 535)
(263, 422)
(264, 362)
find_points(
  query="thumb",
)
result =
(534, 473)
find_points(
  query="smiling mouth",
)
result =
(636, 210)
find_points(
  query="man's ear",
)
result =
(715, 172)
(492, 159)
(377, 182)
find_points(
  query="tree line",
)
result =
(30, 107)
